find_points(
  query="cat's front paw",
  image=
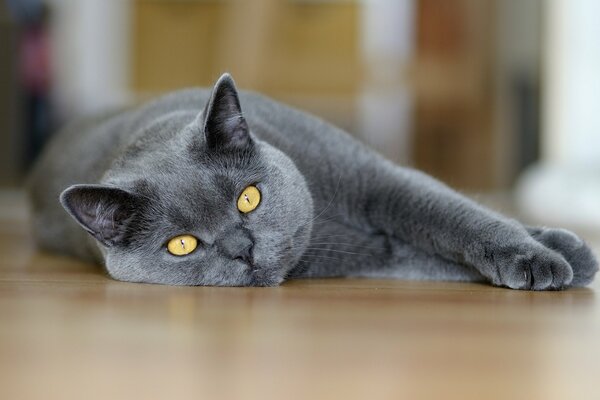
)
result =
(573, 249)
(531, 266)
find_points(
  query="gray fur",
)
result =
(330, 206)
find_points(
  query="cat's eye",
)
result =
(182, 245)
(249, 199)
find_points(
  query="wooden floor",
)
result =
(69, 332)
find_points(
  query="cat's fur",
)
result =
(330, 206)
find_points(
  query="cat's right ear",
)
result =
(105, 212)
(223, 124)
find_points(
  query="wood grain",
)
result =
(69, 332)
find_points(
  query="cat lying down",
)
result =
(233, 189)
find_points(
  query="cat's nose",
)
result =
(245, 255)
(238, 246)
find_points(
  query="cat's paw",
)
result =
(531, 266)
(574, 250)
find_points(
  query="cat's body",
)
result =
(330, 206)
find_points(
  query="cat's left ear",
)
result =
(224, 125)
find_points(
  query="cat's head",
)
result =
(209, 204)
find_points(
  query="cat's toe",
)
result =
(536, 269)
(577, 253)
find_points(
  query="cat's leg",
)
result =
(410, 263)
(337, 249)
(425, 213)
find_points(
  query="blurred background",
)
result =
(491, 96)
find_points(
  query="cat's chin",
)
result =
(266, 275)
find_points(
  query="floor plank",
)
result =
(68, 332)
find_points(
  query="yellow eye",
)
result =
(182, 245)
(249, 199)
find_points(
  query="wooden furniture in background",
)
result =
(276, 47)
(454, 128)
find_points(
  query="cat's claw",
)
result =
(573, 249)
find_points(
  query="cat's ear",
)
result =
(223, 124)
(103, 211)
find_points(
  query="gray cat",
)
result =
(167, 193)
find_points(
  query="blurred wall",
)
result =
(91, 55)
(564, 187)
(517, 86)
(386, 99)
(572, 73)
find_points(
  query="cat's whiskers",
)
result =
(327, 219)
(335, 251)
(347, 244)
(330, 201)
(317, 256)
(326, 236)
(303, 265)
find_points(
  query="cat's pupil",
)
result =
(183, 244)
(246, 197)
